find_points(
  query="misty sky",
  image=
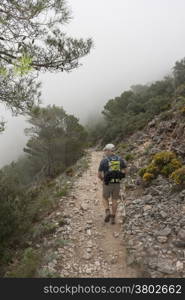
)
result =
(135, 41)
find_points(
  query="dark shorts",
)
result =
(112, 189)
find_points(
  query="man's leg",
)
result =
(115, 197)
(106, 195)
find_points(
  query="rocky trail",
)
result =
(92, 247)
(148, 242)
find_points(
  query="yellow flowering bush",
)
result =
(164, 163)
(153, 169)
(162, 158)
(171, 167)
(178, 176)
(148, 176)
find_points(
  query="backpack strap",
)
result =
(117, 158)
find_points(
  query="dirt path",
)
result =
(95, 248)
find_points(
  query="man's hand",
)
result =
(124, 171)
(100, 176)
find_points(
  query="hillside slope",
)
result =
(155, 225)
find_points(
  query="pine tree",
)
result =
(32, 40)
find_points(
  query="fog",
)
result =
(135, 42)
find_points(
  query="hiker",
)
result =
(111, 172)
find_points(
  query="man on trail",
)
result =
(111, 172)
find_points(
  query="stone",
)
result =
(151, 123)
(162, 239)
(133, 169)
(183, 208)
(88, 271)
(97, 263)
(87, 256)
(88, 250)
(179, 266)
(58, 213)
(84, 206)
(96, 202)
(163, 214)
(157, 138)
(181, 235)
(88, 226)
(164, 232)
(65, 273)
(147, 207)
(67, 267)
(182, 220)
(89, 222)
(89, 244)
(113, 260)
(165, 266)
(147, 199)
(65, 215)
(130, 260)
(116, 234)
(154, 150)
(88, 231)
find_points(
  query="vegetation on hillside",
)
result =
(57, 141)
(133, 109)
(163, 163)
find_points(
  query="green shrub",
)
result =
(61, 243)
(123, 146)
(129, 156)
(28, 265)
(50, 228)
(180, 90)
(178, 176)
(142, 171)
(162, 158)
(153, 169)
(40, 230)
(171, 167)
(46, 272)
(164, 163)
(166, 115)
(62, 192)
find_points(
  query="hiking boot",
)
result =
(107, 216)
(112, 217)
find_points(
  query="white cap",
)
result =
(109, 147)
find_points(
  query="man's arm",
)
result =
(100, 170)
